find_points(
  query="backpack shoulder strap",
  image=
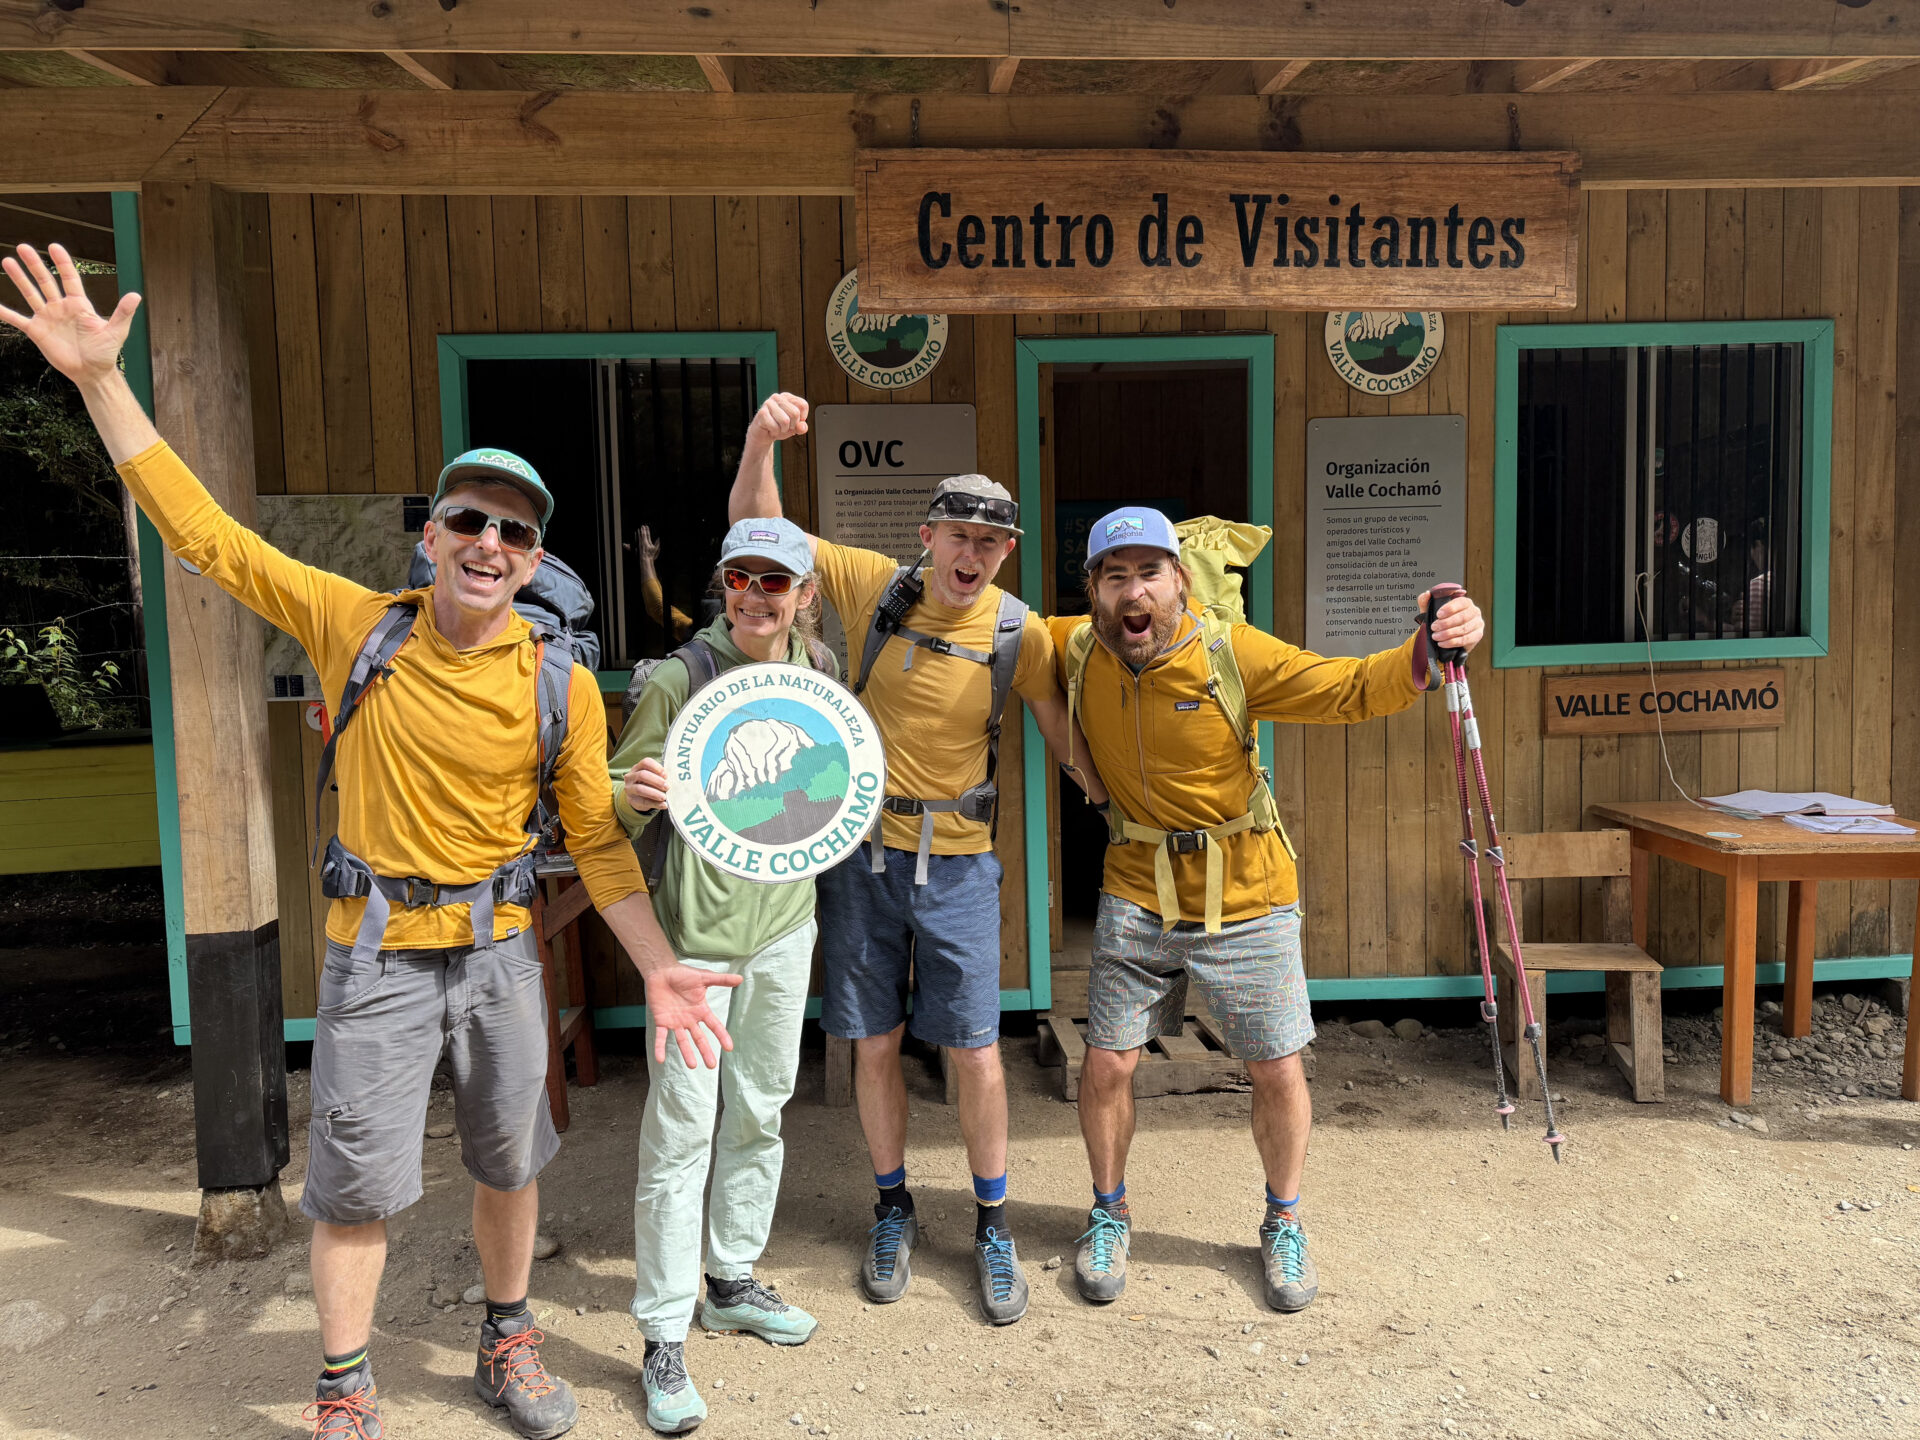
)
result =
(373, 663)
(1079, 651)
(553, 701)
(1224, 679)
(876, 636)
(698, 657)
(1009, 628)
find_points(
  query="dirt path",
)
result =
(1678, 1276)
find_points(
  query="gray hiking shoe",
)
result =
(509, 1376)
(885, 1272)
(1292, 1278)
(1100, 1269)
(1003, 1285)
(674, 1406)
(347, 1408)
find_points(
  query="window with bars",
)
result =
(1663, 484)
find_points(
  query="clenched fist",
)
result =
(782, 417)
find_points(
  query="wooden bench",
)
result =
(572, 1028)
(1633, 976)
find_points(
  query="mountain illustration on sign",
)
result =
(888, 341)
(1385, 342)
(775, 783)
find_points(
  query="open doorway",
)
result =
(1170, 434)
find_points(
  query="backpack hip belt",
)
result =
(982, 802)
(1169, 843)
(345, 876)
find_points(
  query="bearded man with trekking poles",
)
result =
(935, 649)
(1199, 886)
(480, 738)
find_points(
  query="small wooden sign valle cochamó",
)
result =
(1626, 704)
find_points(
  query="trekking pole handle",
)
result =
(1436, 597)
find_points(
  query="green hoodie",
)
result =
(707, 914)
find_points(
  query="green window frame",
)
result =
(1816, 455)
(761, 347)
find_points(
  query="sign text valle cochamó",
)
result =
(1051, 230)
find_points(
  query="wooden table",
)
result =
(1751, 851)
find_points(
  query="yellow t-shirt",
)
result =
(437, 773)
(933, 717)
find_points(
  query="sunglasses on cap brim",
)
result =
(771, 582)
(984, 508)
(471, 522)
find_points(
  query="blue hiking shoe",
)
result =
(884, 1273)
(673, 1405)
(1292, 1280)
(1003, 1286)
(734, 1307)
(1100, 1269)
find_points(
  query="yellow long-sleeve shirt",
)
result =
(437, 773)
(1170, 759)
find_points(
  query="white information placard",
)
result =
(878, 466)
(1386, 519)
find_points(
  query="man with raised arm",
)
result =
(933, 651)
(437, 782)
(1199, 884)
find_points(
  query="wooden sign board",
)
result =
(980, 231)
(1623, 704)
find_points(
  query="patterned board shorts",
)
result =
(1249, 977)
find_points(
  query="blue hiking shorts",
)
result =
(875, 927)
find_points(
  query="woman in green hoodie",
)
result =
(763, 933)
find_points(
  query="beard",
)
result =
(1137, 647)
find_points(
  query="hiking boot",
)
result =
(509, 1376)
(673, 1405)
(1291, 1276)
(884, 1273)
(1100, 1269)
(347, 1408)
(734, 1306)
(1003, 1285)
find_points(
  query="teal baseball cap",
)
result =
(497, 467)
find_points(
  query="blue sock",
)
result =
(1107, 1199)
(1277, 1203)
(893, 1190)
(989, 1205)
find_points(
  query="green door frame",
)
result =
(1255, 351)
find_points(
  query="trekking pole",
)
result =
(1466, 744)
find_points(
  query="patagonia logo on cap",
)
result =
(1186, 704)
(501, 458)
(1126, 525)
(761, 535)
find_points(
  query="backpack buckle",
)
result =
(938, 645)
(417, 892)
(1186, 842)
(902, 805)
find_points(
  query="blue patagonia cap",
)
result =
(775, 539)
(1131, 525)
(494, 466)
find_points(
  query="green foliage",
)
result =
(819, 770)
(829, 784)
(83, 700)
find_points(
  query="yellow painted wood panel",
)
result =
(77, 772)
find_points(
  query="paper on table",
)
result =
(1806, 802)
(1847, 825)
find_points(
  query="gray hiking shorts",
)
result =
(382, 1027)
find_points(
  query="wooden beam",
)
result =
(1800, 74)
(971, 28)
(142, 67)
(1272, 76)
(173, 67)
(720, 71)
(485, 142)
(997, 78)
(436, 72)
(1532, 76)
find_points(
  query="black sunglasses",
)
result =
(472, 523)
(972, 507)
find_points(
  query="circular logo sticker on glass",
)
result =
(774, 772)
(887, 352)
(1384, 352)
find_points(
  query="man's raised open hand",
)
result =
(74, 337)
(677, 1006)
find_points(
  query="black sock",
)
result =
(897, 1197)
(338, 1365)
(646, 1350)
(498, 1310)
(985, 1216)
(727, 1292)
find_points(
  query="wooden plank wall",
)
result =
(347, 292)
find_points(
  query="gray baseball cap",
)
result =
(769, 538)
(975, 500)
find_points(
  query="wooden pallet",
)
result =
(1187, 1062)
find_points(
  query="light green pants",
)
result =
(677, 1137)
